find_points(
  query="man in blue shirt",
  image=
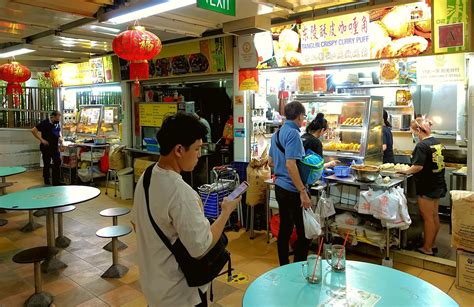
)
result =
(291, 193)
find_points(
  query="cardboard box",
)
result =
(465, 270)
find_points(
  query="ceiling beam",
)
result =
(77, 7)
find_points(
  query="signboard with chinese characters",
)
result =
(390, 32)
(451, 22)
(342, 38)
(441, 69)
(97, 70)
(248, 80)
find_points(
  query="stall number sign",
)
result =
(152, 115)
(226, 7)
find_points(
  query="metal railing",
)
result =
(32, 106)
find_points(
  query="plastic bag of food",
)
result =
(257, 172)
(366, 199)
(325, 207)
(312, 228)
(462, 217)
(385, 206)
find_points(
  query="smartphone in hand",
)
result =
(239, 190)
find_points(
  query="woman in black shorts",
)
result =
(428, 170)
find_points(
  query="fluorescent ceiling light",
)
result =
(113, 30)
(130, 14)
(8, 52)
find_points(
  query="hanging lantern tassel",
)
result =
(139, 70)
(137, 88)
(15, 89)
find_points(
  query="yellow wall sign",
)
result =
(451, 25)
(152, 114)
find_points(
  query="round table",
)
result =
(49, 198)
(285, 286)
(6, 171)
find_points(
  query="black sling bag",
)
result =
(197, 272)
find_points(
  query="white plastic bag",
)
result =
(325, 206)
(403, 206)
(366, 200)
(312, 228)
(385, 207)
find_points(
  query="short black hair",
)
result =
(293, 110)
(54, 113)
(180, 128)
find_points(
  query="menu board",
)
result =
(97, 70)
(152, 115)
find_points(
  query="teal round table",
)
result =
(49, 198)
(362, 284)
(6, 171)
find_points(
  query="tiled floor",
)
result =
(80, 283)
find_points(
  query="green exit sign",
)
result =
(221, 6)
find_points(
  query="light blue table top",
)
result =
(284, 286)
(48, 197)
(11, 170)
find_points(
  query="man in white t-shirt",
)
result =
(178, 211)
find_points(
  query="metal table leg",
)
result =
(3, 222)
(120, 245)
(51, 263)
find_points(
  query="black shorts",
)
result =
(434, 194)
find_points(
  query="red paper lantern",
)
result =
(14, 73)
(137, 46)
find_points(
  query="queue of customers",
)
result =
(177, 210)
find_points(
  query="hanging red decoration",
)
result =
(137, 46)
(14, 73)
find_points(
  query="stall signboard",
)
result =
(97, 70)
(248, 80)
(451, 25)
(226, 7)
(391, 32)
(152, 115)
(341, 38)
(198, 57)
(441, 69)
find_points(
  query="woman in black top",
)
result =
(311, 139)
(428, 170)
(387, 138)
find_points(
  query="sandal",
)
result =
(421, 250)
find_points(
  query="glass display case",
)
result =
(110, 122)
(355, 125)
(89, 120)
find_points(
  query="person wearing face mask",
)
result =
(313, 136)
(428, 170)
(48, 132)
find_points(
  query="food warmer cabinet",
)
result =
(89, 120)
(355, 126)
(110, 123)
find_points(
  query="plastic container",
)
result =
(342, 171)
(125, 177)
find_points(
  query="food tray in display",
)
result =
(350, 126)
